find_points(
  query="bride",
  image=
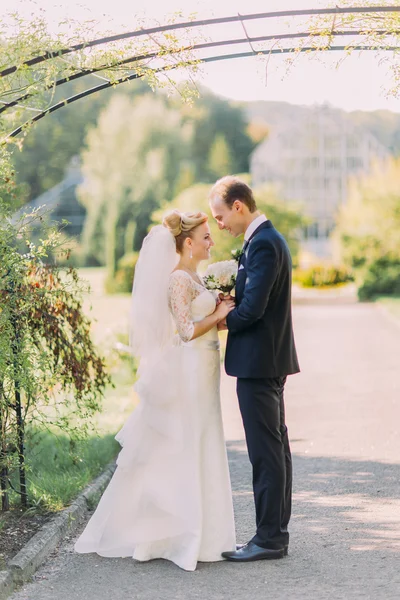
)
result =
(170, 496)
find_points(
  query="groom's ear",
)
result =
(237, 206)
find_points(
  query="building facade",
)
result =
(310, 163)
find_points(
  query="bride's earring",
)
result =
(191, 255)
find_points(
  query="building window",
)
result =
(311, 231)
(332, 163)
(290, 163)
(354, 162)
(352, 143)
(332, 143)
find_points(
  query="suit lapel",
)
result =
(265, 225)
(242, 262)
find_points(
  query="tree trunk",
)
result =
(20, 420)
(5, 501)
(21, 447)
(111, 243)
(129, 237)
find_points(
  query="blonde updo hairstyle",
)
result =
(182, 225)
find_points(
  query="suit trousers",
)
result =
(262, 407)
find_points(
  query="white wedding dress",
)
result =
(170, 496)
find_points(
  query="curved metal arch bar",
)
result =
(106, 85)
(204, 22)
(150, 55)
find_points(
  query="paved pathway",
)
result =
(343, 413)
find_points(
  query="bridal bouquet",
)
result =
(221, 276)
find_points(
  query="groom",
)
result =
(260, 352)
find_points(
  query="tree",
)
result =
(219, 162)
(212, 117)
(257, 130)
(368, 230)
(131, 164)
(41, 161)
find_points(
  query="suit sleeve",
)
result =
(261, 273)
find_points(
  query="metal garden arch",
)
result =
(328, 38)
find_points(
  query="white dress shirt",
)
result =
(253, 226)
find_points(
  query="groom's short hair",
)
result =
(230, 188)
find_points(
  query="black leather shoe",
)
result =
(251, 552)
(285, 548)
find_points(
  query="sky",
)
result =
(360, 82)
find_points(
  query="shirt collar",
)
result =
(253, 226)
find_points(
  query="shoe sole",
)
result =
(285, 550)
(245, 560)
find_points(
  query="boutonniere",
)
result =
(237, 254)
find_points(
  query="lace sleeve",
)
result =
(180, 293)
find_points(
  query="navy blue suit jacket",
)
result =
(260, 332)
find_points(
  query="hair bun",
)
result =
(173, 222)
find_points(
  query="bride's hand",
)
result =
(222, 297)
(224, 308)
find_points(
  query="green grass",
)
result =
(58, 468)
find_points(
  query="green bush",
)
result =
(382, 277)
(51, 374)
(368, 229)
(123, 279)
(322, 276)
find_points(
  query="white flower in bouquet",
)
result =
(221, 276)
